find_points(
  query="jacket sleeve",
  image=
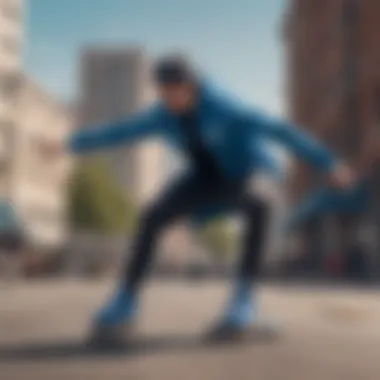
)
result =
(127, 131)
(293, 138)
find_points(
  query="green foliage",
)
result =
(219, 237)
(97, 203)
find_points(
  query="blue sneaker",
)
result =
(240, 320)
(241, 309)
(119, 310)
(114, 323)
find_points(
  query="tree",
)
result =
(219, 237)
(96, 203)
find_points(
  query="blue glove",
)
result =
(330, 200)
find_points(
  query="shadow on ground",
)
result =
(69, 350)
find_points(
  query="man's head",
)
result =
(176, 81)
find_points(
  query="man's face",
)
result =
(179, 97)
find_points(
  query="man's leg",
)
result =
(254, 239)
(178, 201)
(241, 309)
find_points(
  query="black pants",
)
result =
(185, 197)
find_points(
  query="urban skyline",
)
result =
(212, 31)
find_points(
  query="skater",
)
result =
(225, 144)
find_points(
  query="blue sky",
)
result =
(238, 41)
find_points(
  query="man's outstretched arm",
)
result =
(304, 146)
(114, 134)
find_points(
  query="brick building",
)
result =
(333, 58)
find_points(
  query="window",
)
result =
(11, 44)
(11, 10)
(6, 150)
(6, 138)
(377, 125)
(115, 89)
(42, 170)
(9, 86)
(377, 105)
(43, 215)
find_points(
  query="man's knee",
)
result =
(152, 219)
(258, 209)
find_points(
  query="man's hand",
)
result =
(342, 177)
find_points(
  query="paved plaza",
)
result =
(327, 334)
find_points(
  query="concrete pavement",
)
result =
(327, 334)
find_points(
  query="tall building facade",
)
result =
(37, 183)
(11, 33)
(333, 58)
(114, 84)
(34, 185)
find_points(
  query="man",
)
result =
(224, 143)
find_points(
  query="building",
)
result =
(33, 184)
(37, 183)
(333, 59)
(11, 33)
(114, 83)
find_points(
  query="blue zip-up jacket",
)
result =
(233, 133)
(271, 164)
